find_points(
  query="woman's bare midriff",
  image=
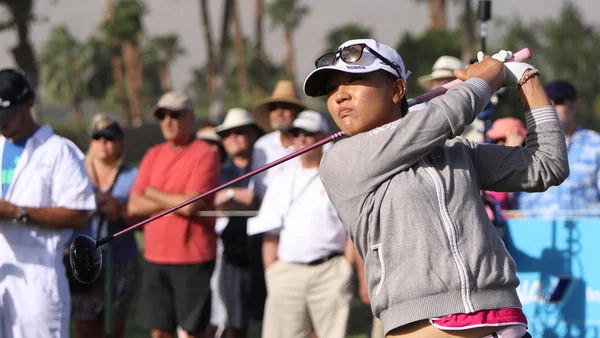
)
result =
(424, 329)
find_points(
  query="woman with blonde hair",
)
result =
(112, 181)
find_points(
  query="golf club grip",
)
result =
(225, 185)
(519, 56)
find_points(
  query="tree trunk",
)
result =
(117, 69)
(210, 53)
(467, 38)
(437, 14)
(216, 107)
(77, 112)
(289, 54)
(23, 54)
(258, 49)
(239, 53)
(117, 72)
(131, 56)
(165, 77)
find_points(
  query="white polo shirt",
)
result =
(267, 149)
(296, 203)
(34, 292)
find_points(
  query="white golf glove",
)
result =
(515, 70)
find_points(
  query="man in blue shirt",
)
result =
(581, 190)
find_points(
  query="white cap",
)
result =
(315, 83)
(236, 117)
(311, 121)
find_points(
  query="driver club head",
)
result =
(86, 259)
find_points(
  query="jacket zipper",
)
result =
(450, 229)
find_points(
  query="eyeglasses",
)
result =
(237, 132)
(297, 131)
(282, 105)
(106, 137)
(162, 114)
(351, 54)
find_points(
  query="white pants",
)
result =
(34, 299)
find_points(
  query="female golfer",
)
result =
(408, 190)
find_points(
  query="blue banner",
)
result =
(558, 263)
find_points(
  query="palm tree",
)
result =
(239, 52)
(210, 53)
(258, 47)
(117, 65)
(126, 27)
(216, 106)
(467, 33)
(21, 17)
(288, 14)
(167, 48)
(437, 13)
(66, 69)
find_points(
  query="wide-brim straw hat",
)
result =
(284, 92)
(235, 118)
(443, 67)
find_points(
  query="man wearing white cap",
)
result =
(231, 283)
(308, 278)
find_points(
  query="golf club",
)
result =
(85, 255)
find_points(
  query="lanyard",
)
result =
(298, 195)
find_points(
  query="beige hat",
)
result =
(285, 92)
(443, 67)
(174, 101)
(209, 135)
(237, 117)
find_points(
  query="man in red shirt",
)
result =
(179, 248)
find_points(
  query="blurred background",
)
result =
(118, 56)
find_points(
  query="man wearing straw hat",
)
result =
(231, 283)
(276, 114)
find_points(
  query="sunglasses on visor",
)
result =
(351, 54)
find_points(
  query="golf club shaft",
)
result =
(223, 186)
(518, 56)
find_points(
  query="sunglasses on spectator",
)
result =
(351, 54)
(282, 105)
(559, 101)
(106, 137)
(237, 132)
(297, 131)
(162, 114)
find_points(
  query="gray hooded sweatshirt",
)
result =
(408, 193)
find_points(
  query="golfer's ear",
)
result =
(399, 90)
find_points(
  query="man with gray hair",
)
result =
(179, 248)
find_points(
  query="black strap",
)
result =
(103, 216)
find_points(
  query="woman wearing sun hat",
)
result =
(408, 190)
